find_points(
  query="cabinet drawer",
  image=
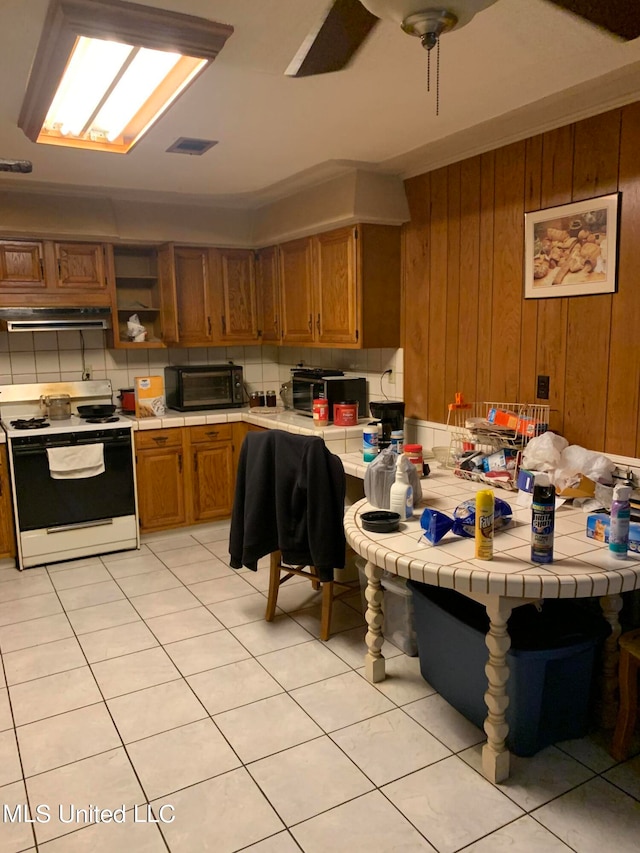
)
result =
(210, 432)
(154, 438)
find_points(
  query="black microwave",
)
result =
(308, 385)
(206, 386)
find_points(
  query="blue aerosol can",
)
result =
(543, 510)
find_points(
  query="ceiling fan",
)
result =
(347, 24)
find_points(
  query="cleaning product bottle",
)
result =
(619, 528)
(401, 492)
(543, 509)
(485, 505)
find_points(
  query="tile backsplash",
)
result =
(65, 356)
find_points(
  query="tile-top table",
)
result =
(582, 567)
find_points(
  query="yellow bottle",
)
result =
(485, 503)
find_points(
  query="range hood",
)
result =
(54, 319)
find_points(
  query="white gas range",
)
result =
(73, 479)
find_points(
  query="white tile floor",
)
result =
(149, 680)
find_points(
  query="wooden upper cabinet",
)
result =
(342, 288)
(336, 288)
(296, 291)
(80, 266)
(235, 295)
(193, 297)
(268, 293)
(21, 266)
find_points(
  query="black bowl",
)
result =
(380, 521)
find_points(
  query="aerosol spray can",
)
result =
(619, 527)
(485, 507)
(543, 511)
(370, 442)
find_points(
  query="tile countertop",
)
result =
(340, 440)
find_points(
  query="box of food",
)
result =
(149, 396)
(598, 524)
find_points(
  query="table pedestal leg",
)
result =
(495, 755)
(608, 705)
(374, 661)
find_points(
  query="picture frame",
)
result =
(572, 249)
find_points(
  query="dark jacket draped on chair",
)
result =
(289, 497)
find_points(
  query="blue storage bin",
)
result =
(551, 663)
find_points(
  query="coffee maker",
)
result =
(390, 413)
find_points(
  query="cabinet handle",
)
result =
(195, 461)
(310, 322)
(275, 325)
(60, 270)
(209, 324)
(318, 324)
(179, 463)
(224, 326)
(41, 268)
(160, 438)
(213, 433)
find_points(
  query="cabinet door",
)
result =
(212, 474)
(295, 290)
(160, 487)
(168, 298)
(7, 530)
(335, 281)
(193, 296)
(80, 266)
(235, 281)
(21, 266)
(268, 292)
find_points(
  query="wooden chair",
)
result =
(628, 711)
(329, 594)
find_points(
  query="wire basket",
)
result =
(487, 439)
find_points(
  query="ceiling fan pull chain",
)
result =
(429, 71)
(438, 78)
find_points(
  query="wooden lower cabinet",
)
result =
(212, 471)
(186, 475)
(7, 528)
(160, 479)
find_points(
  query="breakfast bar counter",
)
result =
(582, 568)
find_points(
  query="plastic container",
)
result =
(401, 493)
(370, 442)
(485, 506)
(345, 413)
(397, 441)
(413, 452)
(399, 621)
(320, 412)
(543, 508)
(620, 520)
(551, 663)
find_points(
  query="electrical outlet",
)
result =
(391, 377)
(542, 390)
(88, 372)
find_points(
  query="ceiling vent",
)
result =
(185, 145)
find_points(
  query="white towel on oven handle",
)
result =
(76, 461)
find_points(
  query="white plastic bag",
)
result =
(135, 330)
(577, 460)
(543, 452)
(381, 473)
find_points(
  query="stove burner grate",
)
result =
(101, 420)
(30, 423)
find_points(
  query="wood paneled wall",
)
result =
(466, 325)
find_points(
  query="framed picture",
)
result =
(572, 250)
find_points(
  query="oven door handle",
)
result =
(80, 525)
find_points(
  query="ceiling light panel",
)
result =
(105, 71)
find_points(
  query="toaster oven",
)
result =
(207, 386)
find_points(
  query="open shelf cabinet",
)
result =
(137, 292)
